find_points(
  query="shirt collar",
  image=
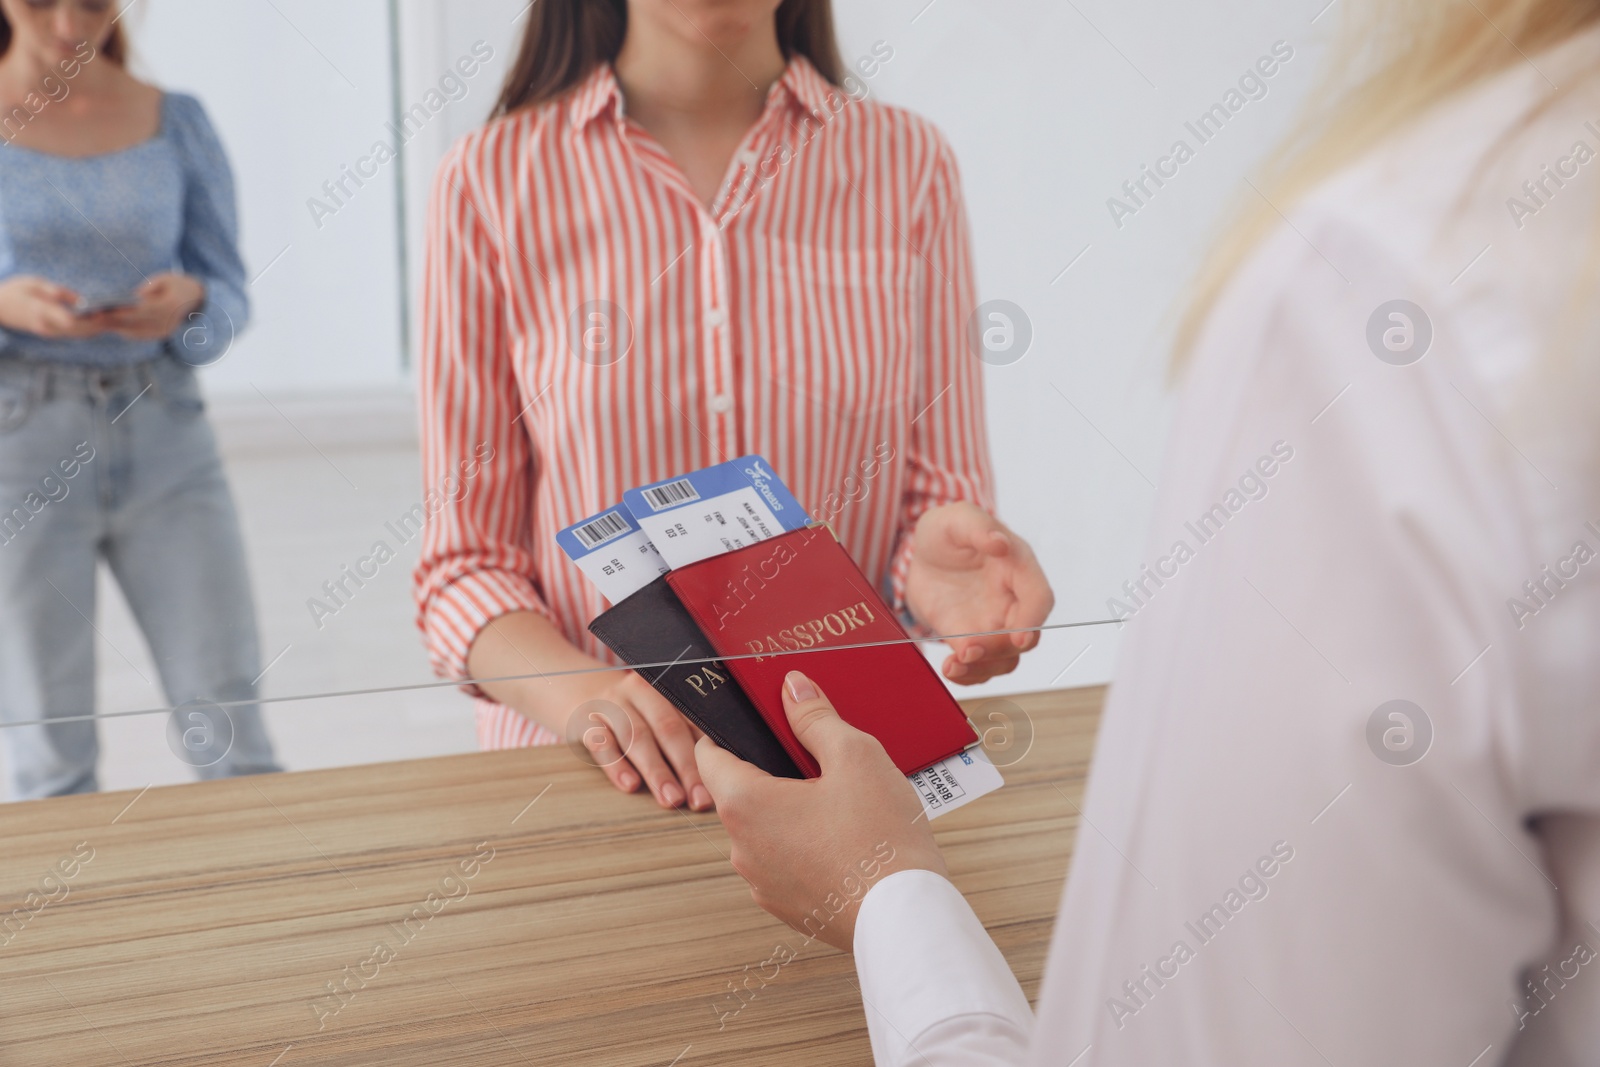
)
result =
(805, 87)
(597, 92)
(801, 85)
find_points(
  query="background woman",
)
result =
(112, 191)
(679, 242)
(1345, 805)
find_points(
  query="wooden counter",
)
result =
(213, 920)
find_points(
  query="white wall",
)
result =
(297, 89)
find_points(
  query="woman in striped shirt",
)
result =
(680, 240)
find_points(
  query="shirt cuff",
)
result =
(457, 614)
(925, 960)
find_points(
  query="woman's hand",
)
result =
(969, 574)
(165, 302)
(43, 308)
(811, 849)
(627, 729)
(634, 734)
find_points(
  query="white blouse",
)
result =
(1364, 502)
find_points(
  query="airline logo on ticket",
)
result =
(715, 510)
(956, 781)
(615, 554)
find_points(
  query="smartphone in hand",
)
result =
(93, 305)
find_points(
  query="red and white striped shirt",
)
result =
(817, 315)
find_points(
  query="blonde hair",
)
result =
(1394, 59)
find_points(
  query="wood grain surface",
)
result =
(211, 921)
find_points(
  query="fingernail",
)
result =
(702, 798)
(671, 794)
(628, 782)
(800, 687)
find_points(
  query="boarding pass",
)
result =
(705, 514)
(956, 781)
(613, 552)
(715, 510)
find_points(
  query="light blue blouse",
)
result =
(103, 224)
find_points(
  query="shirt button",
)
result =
(722, 403)
(715, 317)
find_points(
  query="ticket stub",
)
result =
(956, 781)
(715, 510)
(615, 554)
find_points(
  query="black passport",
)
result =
(653, 626)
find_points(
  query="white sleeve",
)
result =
(936, 990)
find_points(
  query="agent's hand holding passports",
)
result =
(799, 842)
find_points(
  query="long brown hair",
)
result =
(566, 39)
(115, 48)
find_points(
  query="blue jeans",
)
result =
(118, 464)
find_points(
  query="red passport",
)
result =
(801, 593)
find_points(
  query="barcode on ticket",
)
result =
(607, 527)
(670, 494)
